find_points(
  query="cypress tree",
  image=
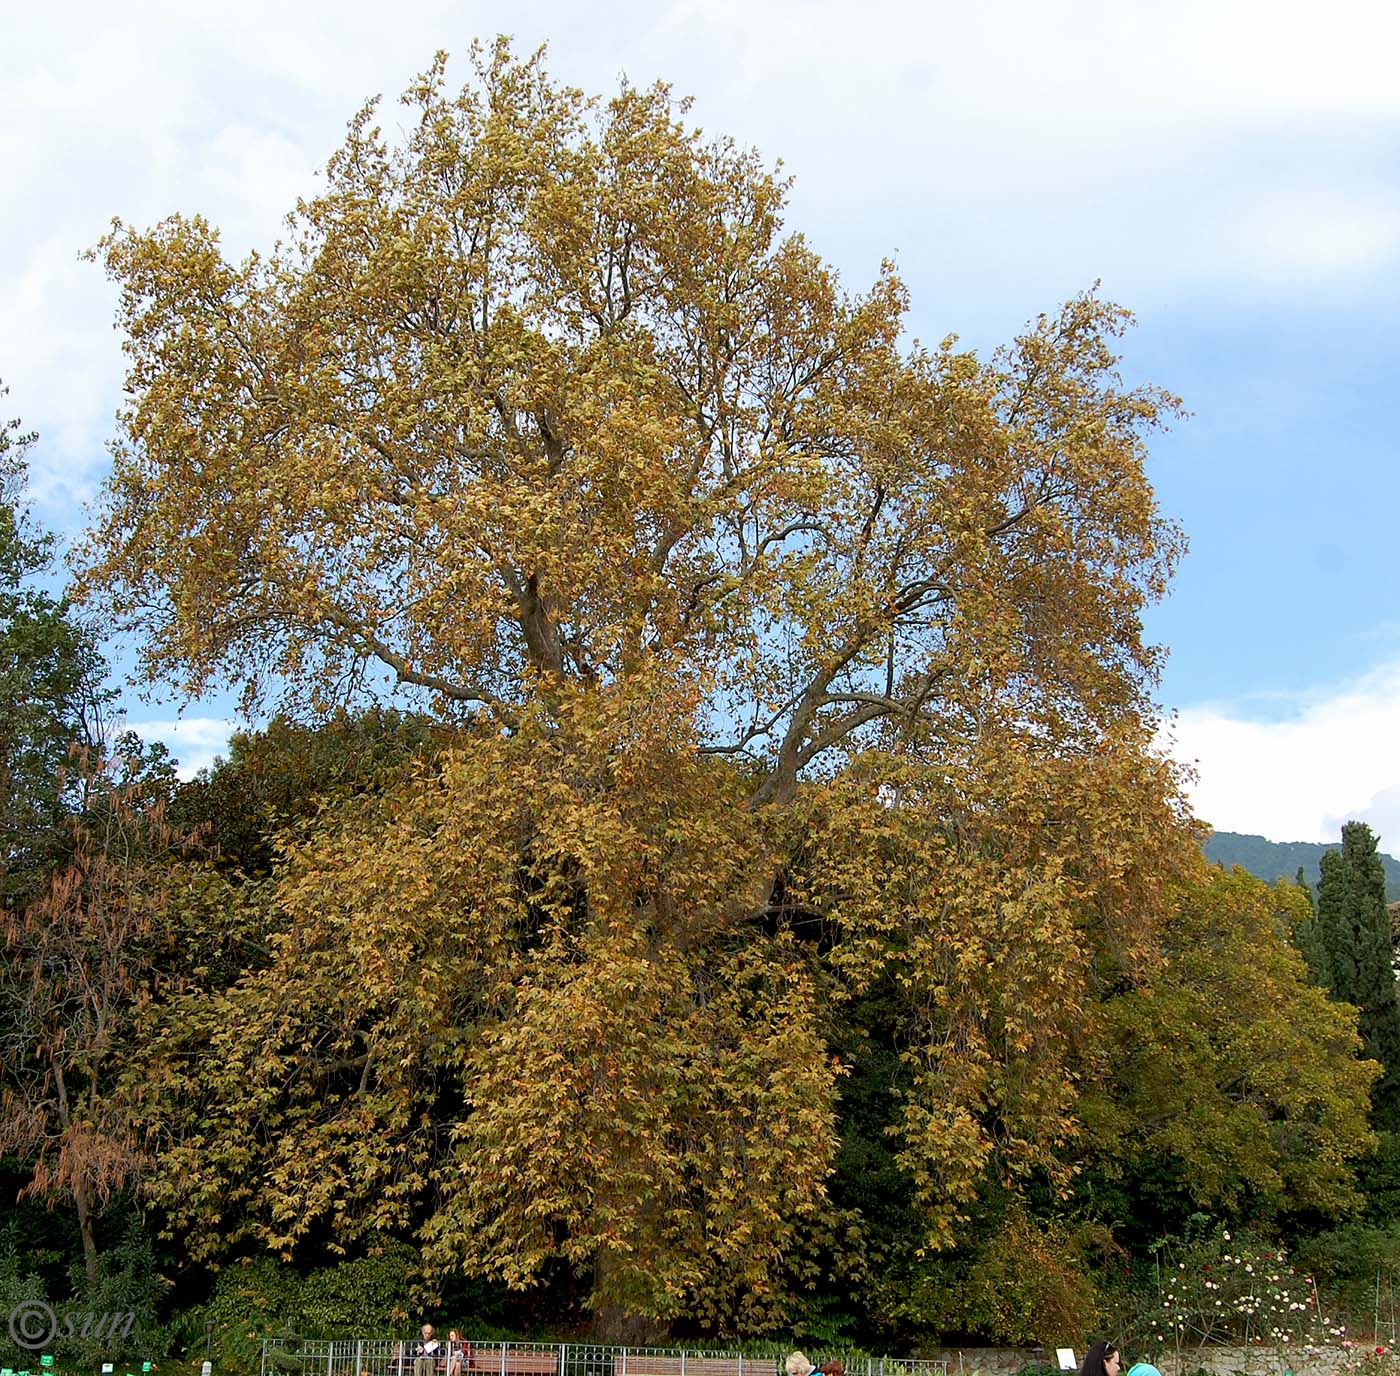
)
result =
(1353, 931)
(1307, 935)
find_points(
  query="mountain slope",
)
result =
(1280, 859)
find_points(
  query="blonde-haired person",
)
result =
(459, 1354)
(798, 1365)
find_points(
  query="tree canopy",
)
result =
(541, 402)
(779, 657)
(1228, 1065)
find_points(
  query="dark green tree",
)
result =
(1353, 952)
(277, 778)
(51, 693)
(1307, 934)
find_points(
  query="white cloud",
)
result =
(1216, 152)
(195, 742)
(1334, 756)
(1010, 154)
(1319, 234)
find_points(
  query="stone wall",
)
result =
(1220, 1361)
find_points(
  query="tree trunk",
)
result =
(85, 1228)
(80, 1192)
(614, 1324)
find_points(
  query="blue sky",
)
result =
(1227, 169)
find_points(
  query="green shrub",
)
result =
(18, 1283)
(126, 1283)
(365, 1297)
(251, 1300)
(1030, 1285)
(1357, 1267)
(369, 1297)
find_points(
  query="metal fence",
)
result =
(391, 1357)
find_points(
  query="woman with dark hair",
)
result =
(1102, 1360)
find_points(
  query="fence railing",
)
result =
(392, 1357)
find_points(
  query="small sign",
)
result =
(107, 1369)
(206, 1368)
(146, 1366)
(1064, 1358)
(46, 1360)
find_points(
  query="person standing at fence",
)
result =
(425, 1353)
(798, 1365)
(833, 1366)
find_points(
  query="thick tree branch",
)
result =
(368, 643)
